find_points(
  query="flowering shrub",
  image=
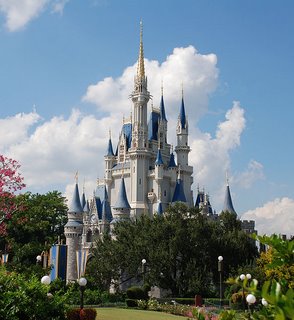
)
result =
(10, 182)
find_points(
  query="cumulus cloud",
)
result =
(58, 5)
(15, 128)
(197, 72)
(210, 156)
(253, 173)
(273, 217)
(54, 150)
(19, 13)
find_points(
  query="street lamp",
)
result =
(242, 278)
(38, 259)
(46, 280)
(220, 270)
(143, 269)
(82, 283)
(250, 300)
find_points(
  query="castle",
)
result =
(142, 176)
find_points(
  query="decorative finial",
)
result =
(161, 87)
(141, 69)
(172, 148)
(227, 177)
(182, 90)
(84, 185)
(109, 134)
(77, 177)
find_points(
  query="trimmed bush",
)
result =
(189, 301)
(132, 303)
(137, 293)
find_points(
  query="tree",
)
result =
(10, 182)
(181, 250)
(35, 227)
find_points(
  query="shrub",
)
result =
(137, 293)
(84, 314)
(132, 303)
(189, 301)
(88, 314)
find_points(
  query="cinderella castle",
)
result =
(143, 175)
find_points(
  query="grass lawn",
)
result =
(132, 314)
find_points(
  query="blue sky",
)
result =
(66, 73)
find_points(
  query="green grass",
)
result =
(132, 314)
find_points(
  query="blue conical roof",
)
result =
(162, 110)
(106, 211)
(159, 209)
(228, 204)
(86, 207)
(183, 114)
(122, 200)
(83, 201)
(76, 202)
(179, 194)
(109, 149)
(98, 207)
(199, 199)
(158, 160)
(172, 163)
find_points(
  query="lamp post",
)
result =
(250, 300)
(242, 278)
(82, 283)
(38, 259)
(46, 280)
(143, 269)
(220, 270)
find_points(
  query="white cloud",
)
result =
(253, 173)
(15, 129)
(274, 217)
(197, 72)
(19, 13)
(57, 148)
(211, 156)
(58, 5)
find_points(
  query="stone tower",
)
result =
(73, 231)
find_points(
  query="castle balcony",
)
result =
(151, 196)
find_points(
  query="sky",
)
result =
(67, 70)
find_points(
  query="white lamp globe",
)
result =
(242, 277)
(264, 302)
(46, 280)
(251, 299)
(248, 276)
(38, 258)
(220, 258)
(144, 261)
(82, 282)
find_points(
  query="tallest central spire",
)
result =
(141, 69)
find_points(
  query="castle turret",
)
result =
(138, 153)
(228, 203)
(122, 207)
(182, 149)
(179, 193)
(162, 128)
(73, 231)
(109, 161)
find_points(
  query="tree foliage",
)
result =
(10, 182)
(35, 227)
(181, 250)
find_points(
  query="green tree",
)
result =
(181, 250)
(35, 227)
